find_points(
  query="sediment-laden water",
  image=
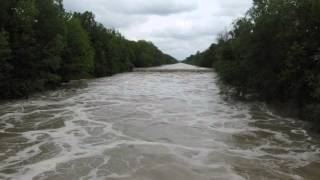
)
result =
(173, 125)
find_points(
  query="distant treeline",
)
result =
(42, 45)
(274, 51)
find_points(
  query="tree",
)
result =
(78, 56)
(23, 45)
(5, 67)
(51, 32)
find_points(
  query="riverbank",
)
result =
(308, 112)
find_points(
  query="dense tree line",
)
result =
(203, 59)
(273, 51)
(42, 45)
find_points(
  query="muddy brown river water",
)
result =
(149, 125)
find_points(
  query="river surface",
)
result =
(151, 126)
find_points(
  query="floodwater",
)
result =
(174, 125)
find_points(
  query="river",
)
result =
(149, 125)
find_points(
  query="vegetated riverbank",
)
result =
(305, 112)
(42, 45)
(289, 109)
(309, 113)
(285, 109)
(274, 52)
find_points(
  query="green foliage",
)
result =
(25, 62)
(5, 68)
(41, 46)
(78, 55)
(149, 55)
(203, 59)
(50, 30)
(196, 59)
(100, 38)
(5, 50)
(115, 54)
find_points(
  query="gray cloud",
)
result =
(155, 7)
(231, 8)
(138, 7)
(178, 27)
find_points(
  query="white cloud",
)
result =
(178, 27)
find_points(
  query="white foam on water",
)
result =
(165, 118)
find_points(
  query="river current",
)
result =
(149, 125)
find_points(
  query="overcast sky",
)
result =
(177, 27)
